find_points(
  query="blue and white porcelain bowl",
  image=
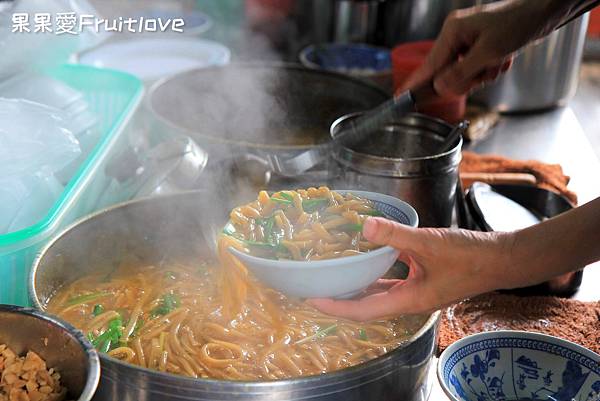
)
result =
(353, 58)
(334, 278)
(518, 365)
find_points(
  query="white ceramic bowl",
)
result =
(518, 365)
(334, 278)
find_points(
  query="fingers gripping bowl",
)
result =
(332, 259)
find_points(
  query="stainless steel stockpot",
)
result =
(149, 229)
(403, 160)
(544, 74)
(247, 108)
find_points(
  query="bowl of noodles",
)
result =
(308, 243)
(175, 321)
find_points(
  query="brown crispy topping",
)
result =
(27, 378)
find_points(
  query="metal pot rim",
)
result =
(355, 371)
(383, 158)
(252, 65)
(92, 356)
(388, 165)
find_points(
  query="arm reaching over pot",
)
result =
(447, 265)
(477, 44)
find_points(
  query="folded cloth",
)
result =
(572, 320)
(549, 176)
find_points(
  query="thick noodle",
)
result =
(224, 324)
(309, 224)
(203, 319)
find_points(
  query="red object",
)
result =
(594, 25)
(406, 59)
(265, 11)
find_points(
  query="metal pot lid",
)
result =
(274, 106)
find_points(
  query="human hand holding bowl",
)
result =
(313, 251)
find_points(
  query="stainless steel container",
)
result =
(412, 20)
(355, 21)
(258, 109)
(544, 74)
(58, 343)
(147, 229)
(402, 160)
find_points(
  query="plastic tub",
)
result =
(113, 97)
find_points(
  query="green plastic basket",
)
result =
(113, 96)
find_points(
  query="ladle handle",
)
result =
(450, 141)
(423, 94)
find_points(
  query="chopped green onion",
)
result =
(82, 299)
(267, 225)
(168, 303)
(98, 309)
(282, 201)
(170, 275)
(137, 327)
(286, 196)
(268, 229)
(319, 334)
(105, 346)
(110, 338)
(362, 334)
(309, 205)
(351, 227)
(312, 205)
(275, 246)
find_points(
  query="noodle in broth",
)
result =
(210, 320)
(311, 224)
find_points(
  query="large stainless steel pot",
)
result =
(403, 160)
(544, 74)
(252, 108)
(175, 225)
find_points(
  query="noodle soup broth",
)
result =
(201, 320)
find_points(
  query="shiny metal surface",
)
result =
(355, 21)
(544, 74)
(414, 20)
(353, 132)
(404, 163)
(151, 229)
(57, 342)
(248, 108)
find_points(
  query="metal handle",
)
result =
(423, 94)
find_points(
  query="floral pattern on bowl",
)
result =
(514, 365)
